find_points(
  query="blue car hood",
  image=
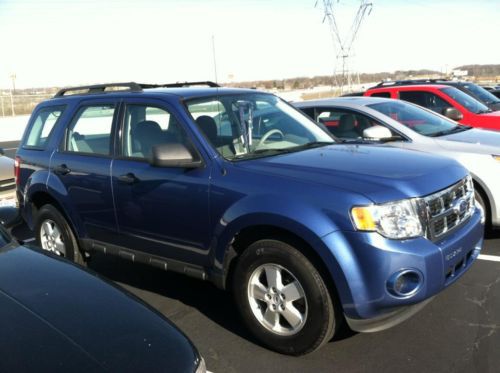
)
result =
(379, 173)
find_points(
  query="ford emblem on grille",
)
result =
(460, 206)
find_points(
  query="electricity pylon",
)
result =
(343, 45)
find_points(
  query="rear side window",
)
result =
(43, 124)
(381, 94)
(90, 131)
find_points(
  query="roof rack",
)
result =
(100, 88)
(180, 85)
(409, 82)
(126, 87)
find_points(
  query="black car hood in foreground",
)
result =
(55, 317)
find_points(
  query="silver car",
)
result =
(402, 124)
(7, 182)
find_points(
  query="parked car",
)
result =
(474, 90)
(56, 317)
(495, 92)
(239, 188)
(446, 100)
(491, 87)
(7, 182)
(408, 126)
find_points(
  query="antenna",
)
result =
(344, 45)
(215, 60)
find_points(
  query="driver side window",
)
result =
(344, 124)
(147, 126)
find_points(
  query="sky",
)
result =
(72, 42)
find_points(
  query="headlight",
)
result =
(395, 220)
(496, 157)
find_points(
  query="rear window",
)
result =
(42, 127)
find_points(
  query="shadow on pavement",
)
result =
(214, 303)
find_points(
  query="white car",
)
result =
(7, 182)
(405, 125)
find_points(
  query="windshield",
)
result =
(249, 125)
(481, 93)
(419, 120)
(469, 102)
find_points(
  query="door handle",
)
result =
(129, 178)
(62, 170)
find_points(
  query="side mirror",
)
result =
(453, 114)
(173, 155)
(377, 133)
(2, 152)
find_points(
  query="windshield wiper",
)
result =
(274, 151)
(484, 111)
(311, 145)
(459, 128)
(262, 152)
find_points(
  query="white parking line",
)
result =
(491, 258)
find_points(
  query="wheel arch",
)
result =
(40, 198)
(254, 233)
(485, 195)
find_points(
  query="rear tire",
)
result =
(54, 234)
(283, 299)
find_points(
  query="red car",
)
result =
(445, 100)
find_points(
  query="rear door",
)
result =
(161, 211)
(82, 165)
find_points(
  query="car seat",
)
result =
(347, 127)
(147, 134)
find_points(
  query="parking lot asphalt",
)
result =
(459, 331)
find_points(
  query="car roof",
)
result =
(409, 87)
(343, 101)
(112, 324)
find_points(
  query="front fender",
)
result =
(299, 218)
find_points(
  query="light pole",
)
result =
(12, 92)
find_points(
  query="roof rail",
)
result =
(180, 85)
(128, 87)
(409, 82)
(100, 88)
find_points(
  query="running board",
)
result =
(140, 257)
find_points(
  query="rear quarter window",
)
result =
(42, 127)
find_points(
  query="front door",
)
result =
(160, 210)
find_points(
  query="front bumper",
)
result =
(368, 260)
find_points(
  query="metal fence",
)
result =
(14, 104)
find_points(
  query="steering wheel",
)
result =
(268, 134)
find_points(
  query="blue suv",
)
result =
(237, 187)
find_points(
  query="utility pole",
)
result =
(344, 45)
(12, 92)
(13, 77)
(215, 59)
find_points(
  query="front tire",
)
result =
(283, 299)
(54, 234)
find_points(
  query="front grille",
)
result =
(449, 208)
(7, 184)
